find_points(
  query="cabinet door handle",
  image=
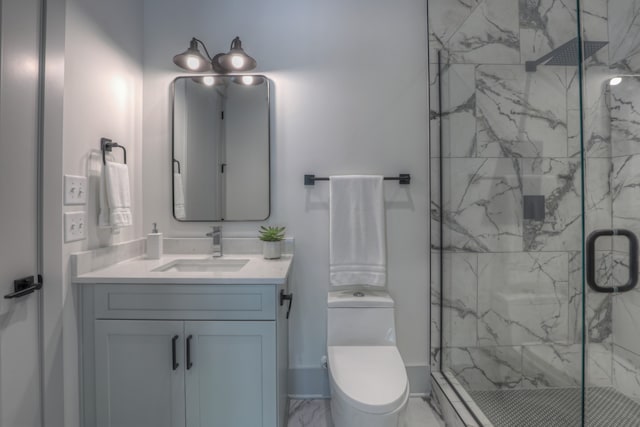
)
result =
(173, 352)
(189, 364)
(286, 297)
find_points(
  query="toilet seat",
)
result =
(371, 378)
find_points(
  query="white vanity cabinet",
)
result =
(184, 355)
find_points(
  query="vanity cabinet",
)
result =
(184, 355)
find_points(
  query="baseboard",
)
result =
(419, 380)
(313, 382)
(309, 383)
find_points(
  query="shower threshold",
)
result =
(557, 407)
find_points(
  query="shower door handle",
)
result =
(633, 260)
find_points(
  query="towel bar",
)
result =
(107, 145)
(403, 178)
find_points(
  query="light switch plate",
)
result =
(75, 190)
(75, 226)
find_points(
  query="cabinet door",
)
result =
(232, 379)
(137, 383)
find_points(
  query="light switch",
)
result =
(75, 190)
(75, 226)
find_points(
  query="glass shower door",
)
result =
(611, 135)
(507, 207)
(535, 207)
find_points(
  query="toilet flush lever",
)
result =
(286, 297)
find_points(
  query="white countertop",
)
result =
(140, 271)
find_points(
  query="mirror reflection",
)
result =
(221, 148)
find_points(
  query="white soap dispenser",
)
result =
(154, 243)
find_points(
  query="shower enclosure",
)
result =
(535, 209)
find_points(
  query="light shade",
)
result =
(248, 80)
(191, 59)
(236, 59)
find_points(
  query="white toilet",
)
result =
(369, 386)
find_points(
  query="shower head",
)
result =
(566, 55)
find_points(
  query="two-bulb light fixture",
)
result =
(234, 60)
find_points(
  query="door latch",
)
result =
(25, 286)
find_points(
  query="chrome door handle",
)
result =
(633, 260)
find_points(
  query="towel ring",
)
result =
(107, 145)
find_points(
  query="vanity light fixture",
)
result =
(234, 60)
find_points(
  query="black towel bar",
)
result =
(403, 178)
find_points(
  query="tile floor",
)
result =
(316, 413)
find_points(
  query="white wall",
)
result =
(102, 97)
(350, 96)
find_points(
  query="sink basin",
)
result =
(210, 265)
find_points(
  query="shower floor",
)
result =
(557, 407)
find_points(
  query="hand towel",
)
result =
(357, 244)
(115, 196)
(178, 197)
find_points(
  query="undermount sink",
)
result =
(209, 265)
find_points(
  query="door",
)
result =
(20, 376)
(230, 374)
(612, 308)
(139, 373)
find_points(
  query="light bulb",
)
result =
(237, 61)
(248, 80)
(208, 80)
(615, 81)
(193, 62)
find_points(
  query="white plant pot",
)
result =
(271, 250)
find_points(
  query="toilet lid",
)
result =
(371, 378)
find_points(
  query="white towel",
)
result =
(357, 245)
(178, 197)
(115, 196)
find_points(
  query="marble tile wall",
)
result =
(513, 284)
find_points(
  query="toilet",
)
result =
(369, 386)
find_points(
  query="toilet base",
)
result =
(344, 415)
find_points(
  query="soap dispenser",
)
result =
(154, 243)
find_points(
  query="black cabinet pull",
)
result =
(25, 286)
(633, 260)
(286, 297)
(173, 352)
(189, 364)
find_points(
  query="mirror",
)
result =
(221, 149)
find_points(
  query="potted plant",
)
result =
(271, 238)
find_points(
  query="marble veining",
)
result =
(317, 413)
(513, 287)
(545, 25)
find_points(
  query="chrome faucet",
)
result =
(216, 236)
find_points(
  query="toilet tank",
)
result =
(360, 317)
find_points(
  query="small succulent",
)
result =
(271, 234)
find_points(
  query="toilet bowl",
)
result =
(368, 380)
